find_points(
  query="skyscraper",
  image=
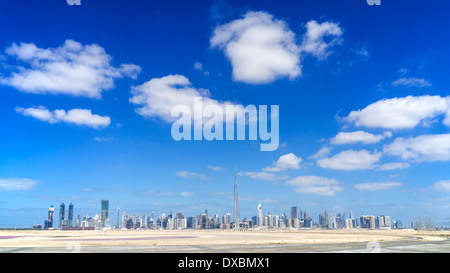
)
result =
(260, 217)
(236, 202)
(70, 216)
(49, 222)
(294, 213)
(117, 221)
(62, 209)
(104, 212)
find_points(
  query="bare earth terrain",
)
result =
(225, 241)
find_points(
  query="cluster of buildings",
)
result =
(296, 220)
(340, 221)
(66, 221)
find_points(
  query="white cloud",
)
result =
(215, 168)
(264, 176)
(361, 50)
(72, 69)
(285, 162)
(159, 95)
(403, 71)
(393, 166)
(411, 82)
(401, 113)
(261, 48)
(358, 136)
(17, 184)
(350, 160)
(322, 153)
(315, 185)
(187, 194)
(313, 40)
(421, 148)
(103, 139)
(191, 175)
(74, 116)
(442, 186)
(377, 186)
(198, 66)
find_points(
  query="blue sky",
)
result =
(362, 93)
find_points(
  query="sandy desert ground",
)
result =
(180, 240)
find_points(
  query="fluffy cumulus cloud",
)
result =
(285, 162)
(260, 48)
(315, 185)
(74, 116)
(358, 137)
(377, 186)
(314, 40)
(402, 113)
(158, 96)
(421, 148)
(17, 184)
(351, 160)
(72, 68)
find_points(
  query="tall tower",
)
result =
(260, 217)
(51, 213)
(117, 221)
(62, 209)
(294, 213)
(70, 216)
(104, 212)
(236, 202)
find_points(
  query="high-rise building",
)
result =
(260, 217)
(78, 221)
(70, 215)
(351, 215)
(117, 220)
(104, 212)
(327, 220)
(294, 217)
(294, 212)
(236, 203)
(49, 222)
(379, 221)
(387, 221)
(62, 209)
(367, 221)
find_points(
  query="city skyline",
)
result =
(297, 220)
(89, 90)
(178, 220)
